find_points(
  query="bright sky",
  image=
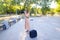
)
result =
(53, 5)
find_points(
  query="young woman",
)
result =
(27, 26)
(32, 33)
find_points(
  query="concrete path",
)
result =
(13, 33)
(48, 28)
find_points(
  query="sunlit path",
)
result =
(48, 28)
(13, 33)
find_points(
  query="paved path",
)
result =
(13, 33)
(48, 28)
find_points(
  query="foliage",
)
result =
(58, 1)
(8, 6)
(45, 6)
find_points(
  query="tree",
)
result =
(58, 1)
(28, 3)
(14, 5)
(58, 5)
(2, 7)
(45, 6)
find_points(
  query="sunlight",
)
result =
(53, 4)
(58, 29)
